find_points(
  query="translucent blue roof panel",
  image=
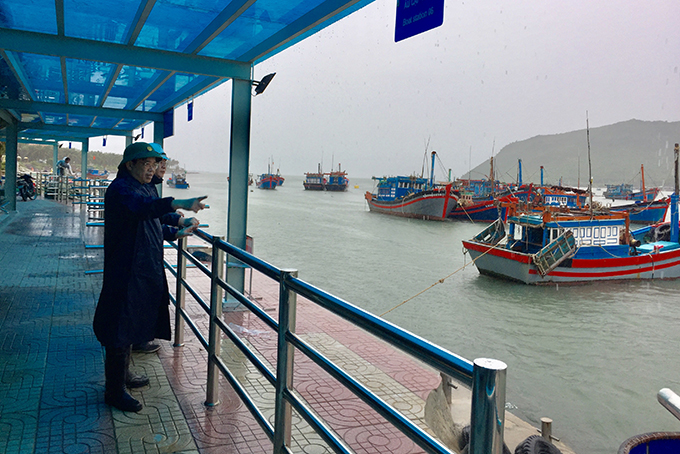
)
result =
(132, 83)
(174, 25)
(78, 62)
(33, 16)
(42, 77)
(79, 120)
(258, 23)
(87, 80)
(100, 20)
(105, 122)
(54, 119)
(177, 83)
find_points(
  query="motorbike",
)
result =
(26, 187)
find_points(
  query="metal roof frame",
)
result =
(85, 89)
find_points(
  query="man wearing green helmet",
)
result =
(133, 305)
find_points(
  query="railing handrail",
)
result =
(670, 401)
(487, 374)
(434, 355)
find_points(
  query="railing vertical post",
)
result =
(284, 365)
(180, 291)
(487, 419)
(214, 331)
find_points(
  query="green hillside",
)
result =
(617, 151)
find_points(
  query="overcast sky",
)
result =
(494, 73)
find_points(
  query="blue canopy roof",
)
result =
(73, 69)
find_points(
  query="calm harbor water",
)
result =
(591, 357)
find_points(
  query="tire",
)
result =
(662, 233)
(23, 193)
(464, 442)
(536, 444)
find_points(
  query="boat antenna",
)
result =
(470, 165)
(424, 165)
(590, 168)
(492, 172)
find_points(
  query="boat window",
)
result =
(518, 232)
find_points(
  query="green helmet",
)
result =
(142, 150)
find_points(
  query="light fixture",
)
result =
(261, 86)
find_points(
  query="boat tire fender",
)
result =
(464, 442)
(536, 444)
(662, 232)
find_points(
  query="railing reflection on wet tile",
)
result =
(486, 377)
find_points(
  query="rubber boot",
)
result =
(133, 380)
(116, 394)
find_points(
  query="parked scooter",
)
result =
(26, 187)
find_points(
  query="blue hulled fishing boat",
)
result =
(413, 197)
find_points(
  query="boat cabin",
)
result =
(529, 233)
(390, 188)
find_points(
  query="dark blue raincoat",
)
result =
(133, 305)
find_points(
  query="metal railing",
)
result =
(486, 377)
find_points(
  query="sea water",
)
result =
(591, 357)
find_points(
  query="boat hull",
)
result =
(648, 195)
(313, 186)
(651, 213)
(336, 187)
(428, 205)
(516, 266)
(486, 211)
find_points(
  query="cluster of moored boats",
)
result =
(546, 234)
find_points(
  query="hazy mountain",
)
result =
(617, 151)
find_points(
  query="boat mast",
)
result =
(434, 153)
(674, 200)
(590, 168)
(493, 174)
(644, 194)
(519, 173)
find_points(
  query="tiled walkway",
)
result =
(52, 374)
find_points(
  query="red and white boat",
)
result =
(553, 247)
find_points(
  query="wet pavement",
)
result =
(52, 369)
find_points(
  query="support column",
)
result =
(158, 138)
(83, 157)
(239, 157)
(55, 157)
(11, 151)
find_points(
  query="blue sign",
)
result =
(417, 16)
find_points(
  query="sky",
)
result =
(494, 73)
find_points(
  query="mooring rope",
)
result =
(440, 281)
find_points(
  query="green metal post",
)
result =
(11, 151)
(239, 156)
(158, 138)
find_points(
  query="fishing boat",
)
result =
(413, 197)
(337, 180)
(467, 209)
(95, 174)
(315, 181)
(178, 181)
(626, 191)
(267, 181)
(645, 212)
(557, 247)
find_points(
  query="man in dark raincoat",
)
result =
(133, 305)
(174, 226)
